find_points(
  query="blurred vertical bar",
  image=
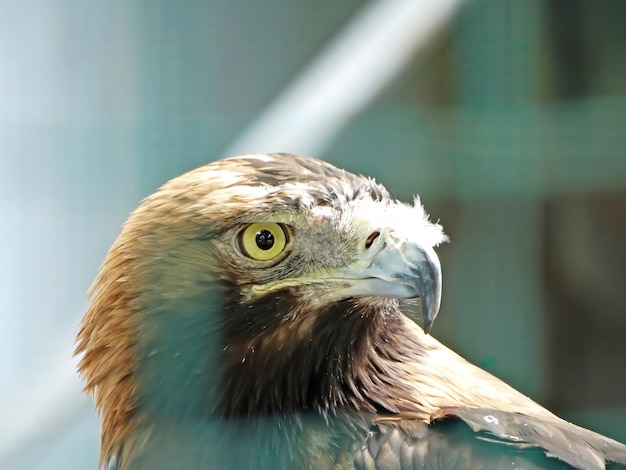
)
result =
(495, 266)
(67, 173)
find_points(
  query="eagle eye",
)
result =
(263, 241)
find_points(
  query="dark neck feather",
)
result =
(282, 371)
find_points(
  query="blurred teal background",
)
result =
(507, 117)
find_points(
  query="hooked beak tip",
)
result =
(429, 313)
(429, 282)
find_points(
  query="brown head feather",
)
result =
(164, 254)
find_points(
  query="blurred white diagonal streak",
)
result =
(348, 74)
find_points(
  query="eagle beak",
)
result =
(401, 269)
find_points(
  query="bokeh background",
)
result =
(508, 118)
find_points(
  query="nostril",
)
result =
(373, 236)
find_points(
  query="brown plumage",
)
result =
(248, 315)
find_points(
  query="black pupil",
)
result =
(264, 239)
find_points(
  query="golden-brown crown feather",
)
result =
(378, 361)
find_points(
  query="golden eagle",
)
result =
(250, 315)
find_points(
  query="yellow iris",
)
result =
(263, 241)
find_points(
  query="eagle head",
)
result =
(252, 286)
